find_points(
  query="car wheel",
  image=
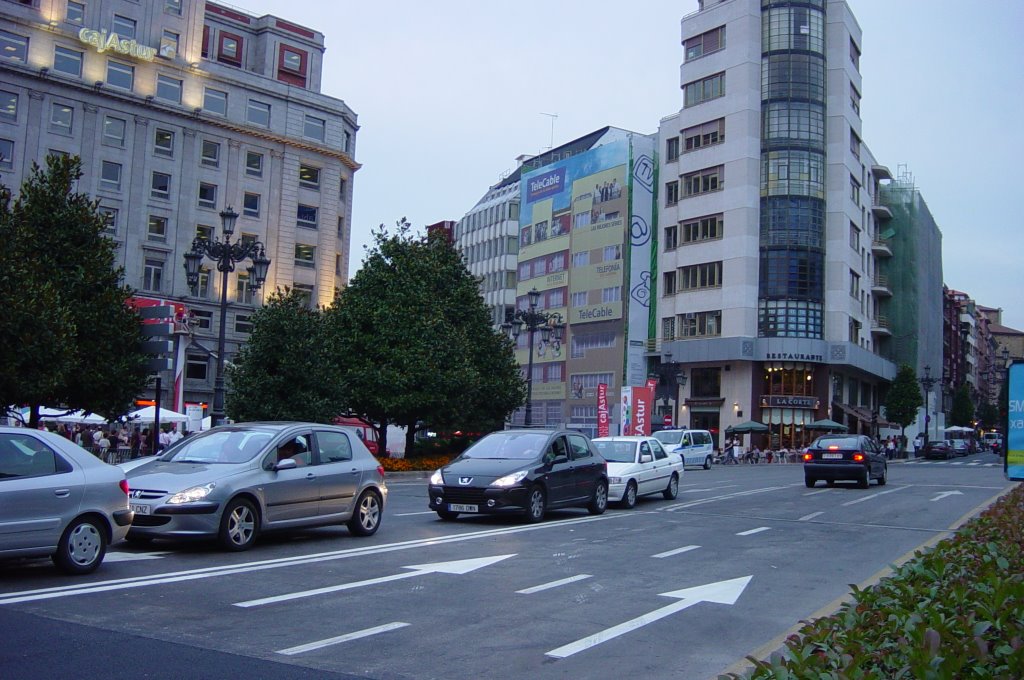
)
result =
(238, 525)
(865, 479)
(599, 503)
(447, 515)
(82, 546)
(885, 476)
(366, 519)
(707, 463)
(673, 488)
(536, 505)
(809, 482)
(629, 498)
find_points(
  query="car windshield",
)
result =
(839, 442)
(219, 446)
(669, 436)
(617, 452)
(511, 445)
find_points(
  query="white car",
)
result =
(639, 466)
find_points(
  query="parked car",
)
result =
(236, 481)
(960, 446)
(938, 449)
(522, 471)
(695, 446)
(58, 500)
(852, 457)
(639, 466)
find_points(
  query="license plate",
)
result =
(140, 509)
(456, 507)
(832, 455)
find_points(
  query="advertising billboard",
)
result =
(636, 410)
(1013, 466)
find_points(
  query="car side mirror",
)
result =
(646, 458)
(285, 464)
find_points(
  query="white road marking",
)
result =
(342, 638)
(946, 494)
(702, 501)
(809, 517)
(410, 514)
(553, 584)
(875, 495)
(959, 462)
(714, 488)
(677, 551)
(812, 493)
(750, 532)
(133, 557)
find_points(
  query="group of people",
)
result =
(106, 441)
(734, 454)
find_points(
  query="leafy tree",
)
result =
(413, 341)
(988, 415)
(903, 399)
(962, 412)
(70, 339)
(283, 371)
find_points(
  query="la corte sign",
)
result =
(104, 41)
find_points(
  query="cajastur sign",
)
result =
(103, 41)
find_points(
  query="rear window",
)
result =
(669, 437)
(840, 442)
(616, 452)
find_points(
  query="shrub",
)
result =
(416, 463)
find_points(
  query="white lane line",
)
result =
(677, 551)
(714, 488)
(702, 501)
(342, 638)
(875, 495)
(750, 532)
(410, 514)
(809, 517)
(553, 584)
(812, 493)
(959, 462)
(133, 557)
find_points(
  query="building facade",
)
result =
(180, 109)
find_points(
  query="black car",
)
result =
(938, 449)
(852, 457)
(524, 471)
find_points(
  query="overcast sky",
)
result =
(449, 92)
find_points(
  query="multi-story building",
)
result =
(178, 110)
(772, 281)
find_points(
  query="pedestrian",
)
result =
(890, 448)
(164, 438)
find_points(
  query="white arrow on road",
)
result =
(942, 495)
(722, 592)
(456, 567)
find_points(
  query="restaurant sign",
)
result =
(783, 401)
(103, 41)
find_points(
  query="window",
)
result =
(309, 177)
(700, 91)
(251, 205)
(163, 143)
(671, 239)
(120, 75)
(243, 289)
(203, 287)
(793, 172)
(67, 61)
(855, 54)
(792, 120)
(854, 99)
(207, 195)
(706, 382)
(113, 130)
(672, 148)
(611, 294)
(700, 324)
(341, 226)
(157, 228)
(196, 367)
(204, 231)
(31, 458)
(153, 275)
(854, 329)
(243, 323)
(342, 191)
(258, 113)
(168, 89)
(62, 117)
(169, 44)
(161, 185)
(13, 47)
(253, 164)
(306, 216)
(579, 299)
(8, 105)
(305, 293)
(110, 176)
(291, 66)
(854, 144)
(610, 254)
(581, 343)
(291, 60)
(854, 190)
(315, 128)
(215, 101)
(702, 229)
(705, 134)
(6, 154)
(210, 154)
(671, 193)
(705, 43)
(854, 237)
(668, 328)
(305, 255)
(346, 141)
(854, 285)
(703, 181)
(124, 27)
(203, 320)
(668, 283)
(230, 50)
(173, 7)
(695, 277)
(109, 218)
(75, 13)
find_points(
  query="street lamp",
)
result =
(550, 326)
(226, 254)
(927, 383)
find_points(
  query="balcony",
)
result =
(881, 212)
(880, 286)
(880, 327)
(881, 172)
(880, 248)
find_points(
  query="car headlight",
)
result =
(196, 493)
(510, 480)
(437, 478)
(615, 480)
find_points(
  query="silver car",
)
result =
(58, 500)
(236, 481)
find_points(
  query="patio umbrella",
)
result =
(747, 428)
(82, 417)
(148, 415)
(827, 425)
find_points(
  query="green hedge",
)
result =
(955, 611)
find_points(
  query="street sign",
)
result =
(666, 419)
(157, 330)
(158, 312)
(157, 346)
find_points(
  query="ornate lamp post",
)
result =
(927, 383)
(550, 326)
(226, 254)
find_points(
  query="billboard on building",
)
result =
(636, 409)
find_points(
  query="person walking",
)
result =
(890, 448)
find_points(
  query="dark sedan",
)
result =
(938, 449)
(524, 471)
(852, 457)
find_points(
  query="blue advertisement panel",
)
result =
(545, 184)
(1014, 465)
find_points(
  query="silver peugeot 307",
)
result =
(236, 481)
(58, 500)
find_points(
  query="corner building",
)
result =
(770, 298)
(180, 109)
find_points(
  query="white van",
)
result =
(695, 446)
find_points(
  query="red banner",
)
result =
(643, 410)
(602, 410)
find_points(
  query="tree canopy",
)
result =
(903, 398)
(962, 412)
(70, 338)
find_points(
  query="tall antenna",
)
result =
(552, 116)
